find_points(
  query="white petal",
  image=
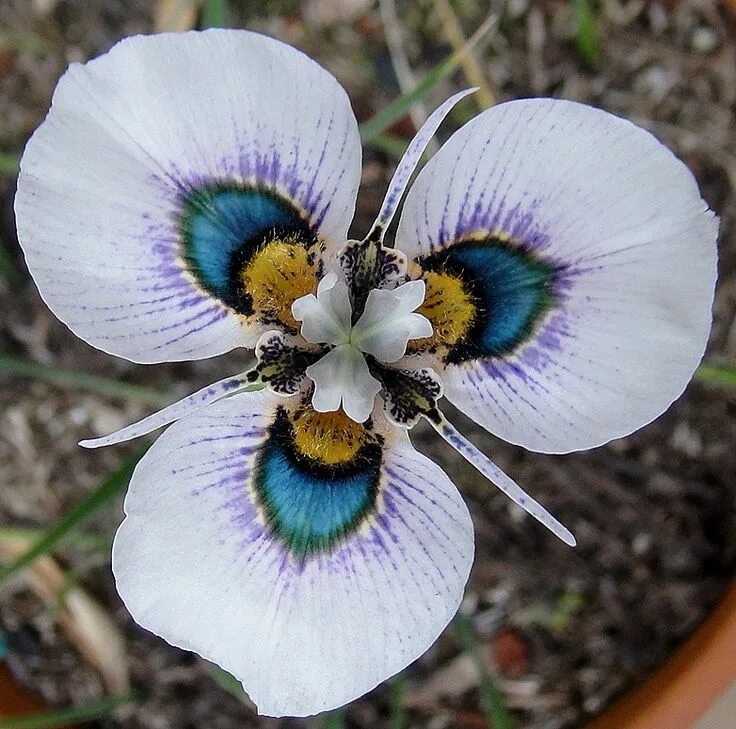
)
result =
(328, 384)
(629, 249)
(327, 282)
(342, 377)
(196, 563)
(170, 413)
(387, 323)
(360, 394)
(408, 163)
(106, 180)
(418, 325)
(410, 295)
(327, 316)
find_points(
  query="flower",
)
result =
(190, 194)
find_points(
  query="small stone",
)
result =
(593, 704)
(440, 721)
(657, 18)
(686, 440)
(657, 82)
(78, 415)
(469, 605)
(704, 40)
(641, 544)
(516, 8)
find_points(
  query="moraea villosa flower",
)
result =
(190, 194)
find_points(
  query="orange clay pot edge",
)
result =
(683, 690)
(688, 684)
(699, 673)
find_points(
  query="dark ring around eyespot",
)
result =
(310, 505)
(223, 224)
(511, 287)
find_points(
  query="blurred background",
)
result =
(548, 637)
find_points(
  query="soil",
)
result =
(562, 631)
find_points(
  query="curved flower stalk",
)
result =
(190, 194)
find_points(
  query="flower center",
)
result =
(388, 321)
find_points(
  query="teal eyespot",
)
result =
(310, 504)
(224, 224)
(511, 289)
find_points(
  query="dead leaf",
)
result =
(319, 14)
(452, 681)
(80, 616)
(176, 16)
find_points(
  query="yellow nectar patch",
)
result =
(276, 276)
(328, 438)
(450, 308)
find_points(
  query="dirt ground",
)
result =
(562, 631)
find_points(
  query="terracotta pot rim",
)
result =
(687, 685)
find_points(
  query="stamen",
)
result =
(498, 478)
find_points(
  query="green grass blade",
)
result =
(398, 108)
(333, 720)
(27, 42)
(80, 381)
(67, 717)
(9, 270)
(388, 143)
(226, 680)
(586, 33)
(398, 708)
(110, 487)
(497, 714)
(81, 540)
(9, 164)
(214, 14)
(716, 374)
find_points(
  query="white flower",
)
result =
(190, 194)
(342, 377)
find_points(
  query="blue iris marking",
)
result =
(311, 505)
(511, 290)
(224, 224)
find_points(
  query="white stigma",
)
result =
(384, 329)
